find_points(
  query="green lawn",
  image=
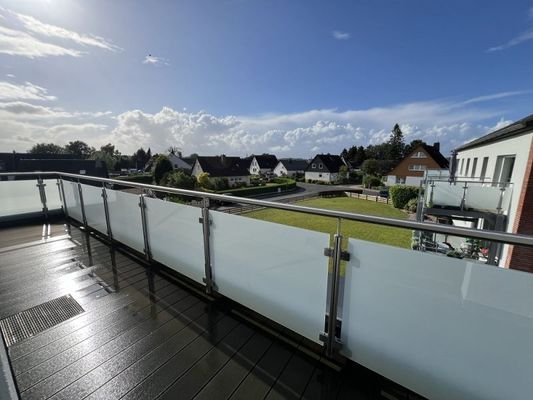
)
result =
(359, 230)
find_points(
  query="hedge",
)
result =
(401, 194)
(256, 190)
(145, 178)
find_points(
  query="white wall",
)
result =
(413, 180)
(518, 146)
(280, 170)
(321, 176)
(391, 180)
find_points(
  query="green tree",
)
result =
(411, 146)
(343, 174)
(162, 166)
(179, 179)
(370, 167)
(46, 148)
(79, 148)
(396, 144)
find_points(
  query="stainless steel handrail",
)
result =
(509, 238)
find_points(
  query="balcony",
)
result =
(148, 298)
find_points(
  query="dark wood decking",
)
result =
(142, 336)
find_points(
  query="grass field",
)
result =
(359, 230)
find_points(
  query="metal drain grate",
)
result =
(39, 318)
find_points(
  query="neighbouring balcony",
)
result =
(439, 326)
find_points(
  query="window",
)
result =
(474, 165)
(417, 167)
(484, 168)
(503, 170)
(419, 154)
(467, 166)
(400, 180)
(2, 165)
(462, 165)
(313, 166)
(320, 166)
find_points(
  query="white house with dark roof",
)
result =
(324, 168)
(290, 167)
(235, 169)
(263, 164)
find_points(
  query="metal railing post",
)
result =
(500, 200)
(63, 199)
(82, 205)
(331, 337)
(142, 205)
(106, 212)
(42, 194)
(206, 227)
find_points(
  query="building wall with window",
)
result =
(503, 161)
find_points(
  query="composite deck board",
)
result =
(142, 335)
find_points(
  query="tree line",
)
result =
(114, 160)
(379, 159)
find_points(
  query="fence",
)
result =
(443, 327)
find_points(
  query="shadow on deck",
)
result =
(144, 335)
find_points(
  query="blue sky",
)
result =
(245, 76)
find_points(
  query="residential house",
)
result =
(410, 171)
(263, 164)
(235, 169)
(505, 158)
(290, 167)
(70, 163)
(179, 162)
(324, 168)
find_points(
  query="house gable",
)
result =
(422, 157)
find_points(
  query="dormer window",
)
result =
(419, 154)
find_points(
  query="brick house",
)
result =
(505, 157)
(410, 171)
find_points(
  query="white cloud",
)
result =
(30, 38)
(339, 35)
(10, 76)
(18, 43)
(26, 91)
(523, 37)
(495, 96)
(34, 25)
(153, 60)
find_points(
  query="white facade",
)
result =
(409, 180)
(502, 160)
(280, 170)
(498, 156)
(255, 169)
(321, 176)
(232, 180)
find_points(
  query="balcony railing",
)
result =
(464, 194)
(443, 327)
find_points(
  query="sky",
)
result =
(237, 77)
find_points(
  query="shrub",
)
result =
(412, 205)
(161, 167)
(144, 178)
(179, 179)
(401, 194)
(256, 190)
(371, 181)
(220, 184)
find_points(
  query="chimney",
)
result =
(436, 146)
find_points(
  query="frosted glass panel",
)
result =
(176, 237)
(445, 328)
(483, 197)
(125, 218)
(19, 197)
(72, 198)
(94, 208)
(53, 201)
(445, 194)
(506, 201)
(276, 270)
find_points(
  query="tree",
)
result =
(343, 174)
(162, 166)
(139, 159)
(79, 148)
(203, 180)
(46, 148)
(411, 146)
(396, 144)
(370, 167)
(174, 150)
(179, 179)
(110, 149)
